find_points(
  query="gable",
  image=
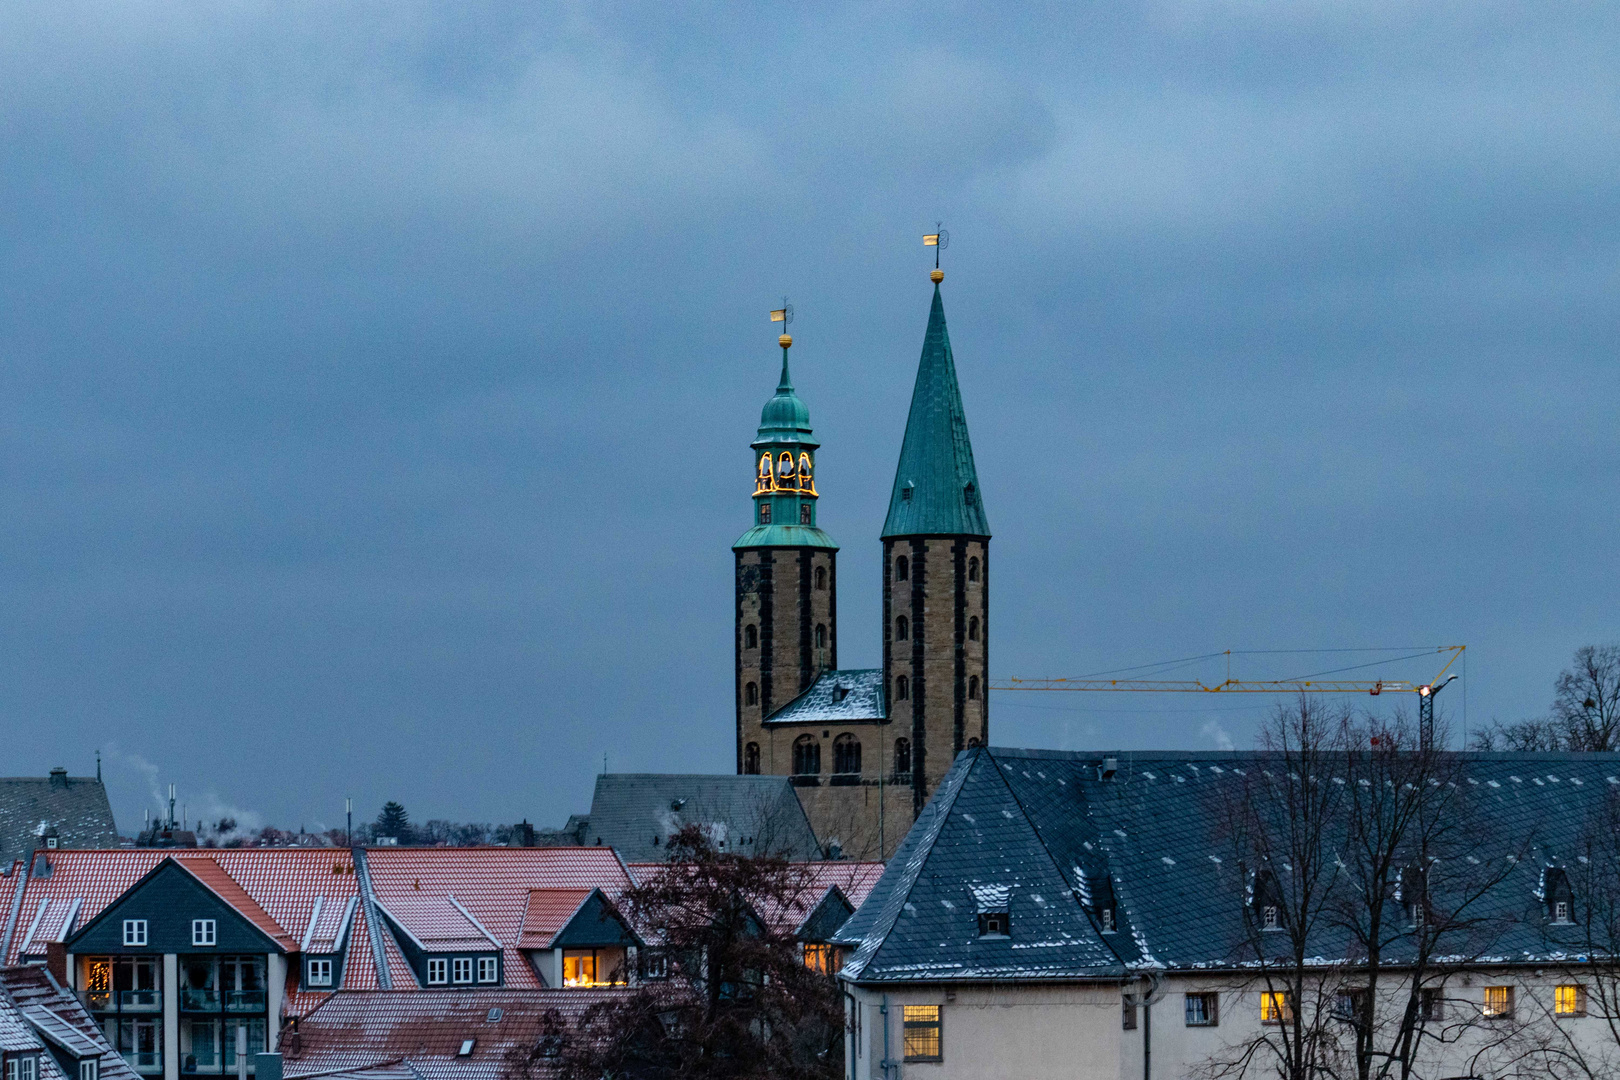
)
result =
(169, 898)
(831, 913)
(595, 925)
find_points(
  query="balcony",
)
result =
(244, 1000)
(205, 999)
(97, 1000)
(143, 1061)
(140, 1001)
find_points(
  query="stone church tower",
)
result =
(865, 747)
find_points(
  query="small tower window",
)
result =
(902, 756)
(973, 568)
(750, 694)
(750, 637)
(821, 636)
(804, 513)
(764, 513)
(973, 688)
(821, 577)
(967, 495)
(846, 754)
(751, 759)
(902, 569)
(806, 756)
(905, 492)
(973, 628)
(902, 689)
(902, 629)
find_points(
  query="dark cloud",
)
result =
(376, 381)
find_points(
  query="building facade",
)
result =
(865, 747)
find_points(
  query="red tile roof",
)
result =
(222, 885)
(548, 911)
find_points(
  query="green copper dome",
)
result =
(785, 418)
(784, 473)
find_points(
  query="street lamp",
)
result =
(1426, 710)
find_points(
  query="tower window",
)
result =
(804, 513)
(967, 495)
(973, 568)
(750, 694)
(750, 637)
(821, 636)
(764, 513)
(902, 755)
(902, 689)
(846, 754)
(902, 569)
(751, 759)
(902, 629)
(821, 577)
(973, 628)
(973, 688)
(806, 756)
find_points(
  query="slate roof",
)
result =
(35, 1010)
(936, 457)
(75, 806)
(1041, 829)
(637, 813)
(384, 1034)
(835, 696)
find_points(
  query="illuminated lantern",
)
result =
(784, 467)
(805, 482)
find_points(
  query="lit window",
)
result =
(461, 969)
(320, 973)
(134, 931)
(820, 957)
(1569, 1000)
(90, 1069)
(993, 923)
(902, 569)
(203, 931)
(804, 513)
(487, 969)
(579, 968)
(1274, 1007)
(922, 1033)
(902, 629)
(437, 972)
(750, 694)
(1498, 1002)
(764, 513)
(1203, 1010)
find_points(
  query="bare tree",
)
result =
(1585, 714)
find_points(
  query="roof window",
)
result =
(466, 1047)
(905, 492)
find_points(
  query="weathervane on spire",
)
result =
(939, 240)
(783, 315)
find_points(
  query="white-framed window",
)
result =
(203, 931)
(27, 1067)
(1106, 917)
(488, 969)
(134, 933)
(461, 969)
(436, 972)
(50, 842)
(89, 1069)
(320, 972)
(1203, 1010)
(1561, 911)
(1269, 919)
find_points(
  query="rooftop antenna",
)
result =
(171, 806)
(939, 240)
(98, 766)
(348, 818)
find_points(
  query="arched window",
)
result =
(750, 637)
(973, 688)
(902, 569)
(751, 759)
(902, 755)
(846, 754)
(973, 628)
(973, 568)
(821, 577)
(750, 694)
(806, 756)
(821, 636)
(902, 689)
(902, 629)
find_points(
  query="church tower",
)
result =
(936, 575)
(787, 580)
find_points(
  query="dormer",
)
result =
(444, 945)
(577, 937)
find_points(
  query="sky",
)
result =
(376, 380)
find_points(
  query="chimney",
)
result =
(56, 961)
(59, 777)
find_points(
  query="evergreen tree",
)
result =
(394, 821)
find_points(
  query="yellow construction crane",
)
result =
(1229, 685)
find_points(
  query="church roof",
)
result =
(851, 694)
(788, 536)
(936, 488)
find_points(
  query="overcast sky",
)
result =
(376, 381)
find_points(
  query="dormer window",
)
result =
(905, 492)
(89, 1068)
(1267, 901)
(320, 972)
(1560, 911)
(1105, 918)
(1269, 918)
(967, 495)
(994, 923)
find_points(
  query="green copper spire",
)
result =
(936, 488)
(784, 472)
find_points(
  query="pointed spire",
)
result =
(936, 488)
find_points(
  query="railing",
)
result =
(97, 1000)
(142, 1061)
(244, 1000)
(140, 1000)
(204, 998)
